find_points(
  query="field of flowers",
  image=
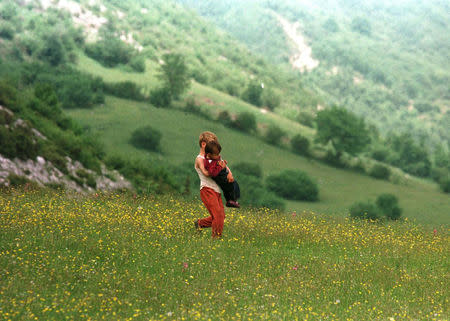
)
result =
(119, 257)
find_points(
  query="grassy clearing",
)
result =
(114, 123)
(118, 257)
(210, 99)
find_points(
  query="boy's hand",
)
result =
(230, 177)
(223, 163)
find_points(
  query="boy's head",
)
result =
(213, 149)
(207, 137)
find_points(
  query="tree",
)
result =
(253, 94)
(174, 74)
(346, 131)
(274, 135)
(300, 145)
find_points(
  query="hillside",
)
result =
(388, 62)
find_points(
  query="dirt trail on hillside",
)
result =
(302, 60)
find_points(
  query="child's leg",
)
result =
(214, 205)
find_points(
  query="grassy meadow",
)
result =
(114, 123)
(112, 257)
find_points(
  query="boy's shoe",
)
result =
(232, 203)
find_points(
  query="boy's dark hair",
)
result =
(213, 147)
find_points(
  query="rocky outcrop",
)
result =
(44, 173)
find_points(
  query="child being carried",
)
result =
(218, 171)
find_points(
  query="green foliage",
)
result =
(18, 141)
(160, 97)
(300, 145)
(331, 25)
(124, 89)
(137, 63)
(270, 99)
(380, 171)
(53, 51)
(346, 131)
(253, 94)
(294, 185)
(147, 138)
(274, 135)
(6, 31)
(444, 184)
(361, 25)
(174, 74)
(253, 192)
(365, 210)
(245, 122)
(306, 119)
(247, 168)
(111, 51)
(388, 205)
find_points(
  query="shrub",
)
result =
(124, 89)
(270, 99)
(445, 184)
(255, 194)
(300, 145)
(245, 122)
(388, 205)
(274, 134)
(224, 118)
(6, 31)
(147, 138)
(253, 94)
(364, 210)
(380, 171)
(250, 169)
(160, 97)
(294, 185)
(137, 63)
(110, 51)
(306, 119)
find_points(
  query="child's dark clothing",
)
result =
(231, 191)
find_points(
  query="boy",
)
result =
(219, 173)
(209, 190)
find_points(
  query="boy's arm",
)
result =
(230, 176)
(199, 164)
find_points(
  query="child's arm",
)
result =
(199, 164)
(230, 176)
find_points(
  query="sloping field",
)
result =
(114, 123)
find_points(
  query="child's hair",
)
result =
(213, 147)
(207, 137)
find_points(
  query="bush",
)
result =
(147, 138)
(224, 118)
(444, 184)
(124, 89)
(137, 63)
(364, 210)
(253, 193)
(245, 122)
(388, 205)
(300, 145)
(294, 185)
(250, 169)
(380, 171)
(160, 97)
(274, 134)
(6, 31)
(306, 119)
(270, 99)
(110, 51)
(253, 94)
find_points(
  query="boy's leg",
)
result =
(214, 205)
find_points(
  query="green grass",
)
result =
(115, 257)
(114, 123)
(209, 99)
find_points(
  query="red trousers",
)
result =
(214, 205)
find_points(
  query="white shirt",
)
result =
(206, 181)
